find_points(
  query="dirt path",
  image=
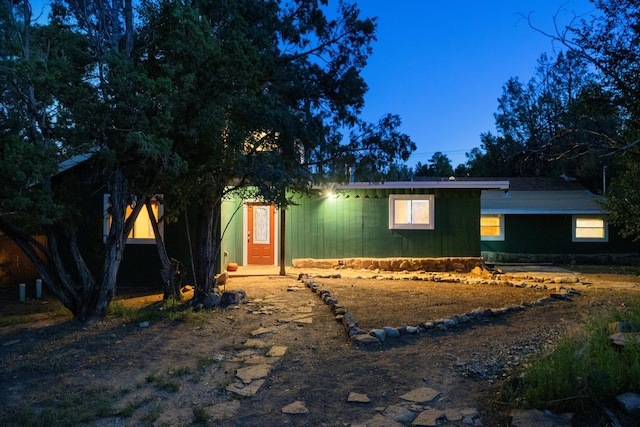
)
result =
(217, 367)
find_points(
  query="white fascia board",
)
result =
(480, 185)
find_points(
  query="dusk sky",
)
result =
(441, 64)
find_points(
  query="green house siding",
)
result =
(232, 232)
(356, 224)
(550, 234)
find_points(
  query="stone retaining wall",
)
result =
(459, 265)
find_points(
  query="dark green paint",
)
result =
(551, 234)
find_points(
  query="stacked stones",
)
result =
(360, 336)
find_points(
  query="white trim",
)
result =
(393, 225)
(605, 227)
(482, 185)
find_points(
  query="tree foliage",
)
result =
(198, 99)
(579, 114)
(263, 101)
(439, 166)
(542, 129)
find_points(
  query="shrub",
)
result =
(585, 367)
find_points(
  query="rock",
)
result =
(295, 408)
(221, 279)
(429, 417)
(260, 331)
(255, 372)
(380, 334)
(277, 351)
(391, 332)
(399, 413)
(380, 420)
(452, 415)
(144, 324)
(364, 339)
(231, 297)
(358, 398)
(357, 331)
(211, 300)
(245, 390)
(630, 402)
(535, 417)
(421, 395)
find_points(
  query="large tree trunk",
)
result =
(96, 298)
(207, 244)
(171, 272)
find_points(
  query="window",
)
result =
(414, 212)
(590, 229)
(142, 231)
(492, 227)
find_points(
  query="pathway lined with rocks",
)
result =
(362, 337)
(259, 357)
(420, 406)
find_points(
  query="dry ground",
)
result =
(176, 372)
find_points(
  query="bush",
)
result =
(585, 368)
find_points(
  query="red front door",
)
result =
(260, 244)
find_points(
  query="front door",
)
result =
(260, 224)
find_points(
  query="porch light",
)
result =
(330, 191)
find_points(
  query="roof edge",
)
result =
(481, 185)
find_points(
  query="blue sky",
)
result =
(441, 64)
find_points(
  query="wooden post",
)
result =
(282, 241)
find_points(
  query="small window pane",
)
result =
(420, 212)
(402, 211)
(490, 225)
(589, 228)
(142, 228)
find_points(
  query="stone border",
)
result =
(376, 336)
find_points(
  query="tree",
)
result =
(440, 166)
(550, 126)
(72, 88)
(260, 95)
(200, 100)
(610, 116)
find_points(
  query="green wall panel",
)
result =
(551, 234)
(356, 224)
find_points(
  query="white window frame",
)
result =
(497, 238)
(394, 225)
(142, 216)
(574, 229)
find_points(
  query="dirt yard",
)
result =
(222, 367)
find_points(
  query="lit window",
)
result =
(492, 227)
(590, 229)
(142, 231)
(411, 212)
